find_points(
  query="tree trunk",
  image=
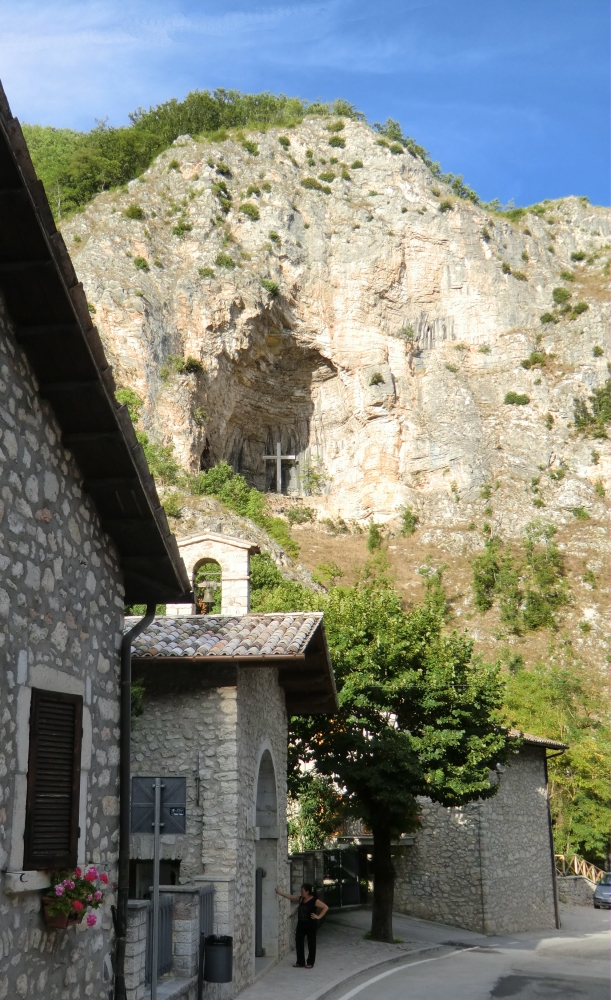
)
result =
(383, 885)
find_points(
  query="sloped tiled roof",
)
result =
(275, 635)
(214, 645)
(538, 741)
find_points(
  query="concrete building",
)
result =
(81, 533)
(487, 866)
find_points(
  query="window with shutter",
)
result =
(54, 768)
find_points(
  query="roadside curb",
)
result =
(330, 988)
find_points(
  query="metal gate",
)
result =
(340, 876)
(164, 959)
(206, 927)
(206, 910)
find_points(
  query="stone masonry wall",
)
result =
(176, 725)
(517, 856)
(262, 725)
(488, 865)
(61, 617)
(576, 890)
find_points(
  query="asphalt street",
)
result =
(571, 964)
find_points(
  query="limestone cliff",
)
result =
(394, 323)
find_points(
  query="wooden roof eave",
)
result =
(48, 309)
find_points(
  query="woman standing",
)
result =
(307, 917)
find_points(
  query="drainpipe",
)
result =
(551, 838)
(124, 810)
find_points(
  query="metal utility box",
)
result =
(173, 817)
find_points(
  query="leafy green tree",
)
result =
(563, 701)
(319, 814)
(409, 521)
(416, 717)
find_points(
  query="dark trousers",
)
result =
(306, 931)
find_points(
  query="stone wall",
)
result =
(486, 866)
(262, 725)
(135, 949)
(576, 890)
(224, 731)
(183, 728)
(61, 617)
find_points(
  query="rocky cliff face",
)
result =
(400, 323)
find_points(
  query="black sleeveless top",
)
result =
(305, 911)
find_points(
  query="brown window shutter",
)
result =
(54, 770)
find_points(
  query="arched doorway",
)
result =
(266, 863)
(207, 580)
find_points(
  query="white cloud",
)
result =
(63, 61)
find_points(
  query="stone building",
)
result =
(218, 692)
(487, 866)
(81, 532)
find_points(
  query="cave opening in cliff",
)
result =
(206, 461)
(270, 404)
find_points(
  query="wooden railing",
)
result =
(572, 864)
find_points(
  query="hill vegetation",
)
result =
(76, 166)
(221, 482)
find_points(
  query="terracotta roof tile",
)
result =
(541, 741)
(218, 635)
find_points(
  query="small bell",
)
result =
(208, 595)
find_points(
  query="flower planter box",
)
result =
(60, 920)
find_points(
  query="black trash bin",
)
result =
(218, 958)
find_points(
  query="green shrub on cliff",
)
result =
(232, 490)
(516, 399)
(593, 422)
(530, 585)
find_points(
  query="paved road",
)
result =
(571, 964)
(437, 962)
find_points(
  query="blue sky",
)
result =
(512, 94)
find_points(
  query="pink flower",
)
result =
(78, 872)
(59, 890)
(91, 920)
(89, 898)
(97, 895)
(68, 883)
(91, 875)
(77, 905)
(92, 870)
(104, 878)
